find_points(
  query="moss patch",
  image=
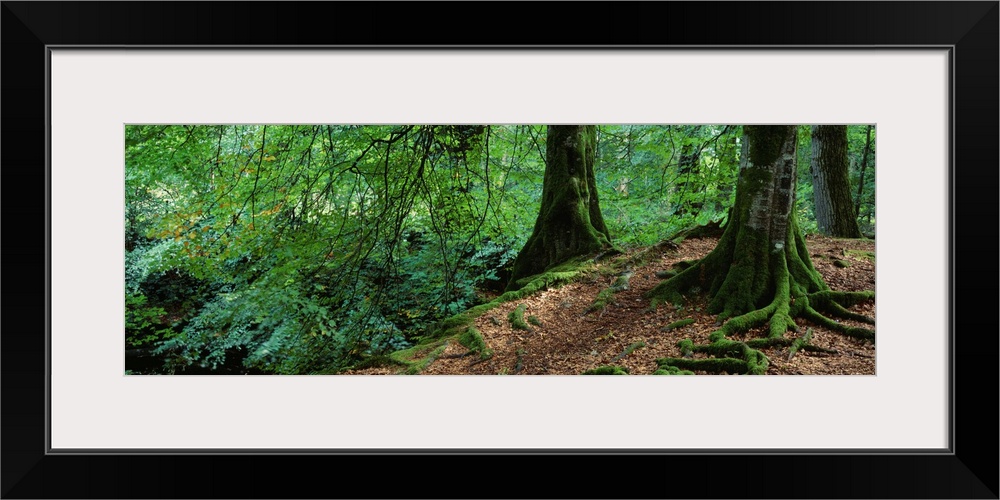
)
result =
(376, 361)
(472, 340)
(418, 357)
(605, 297)
(717, 365)
(677, 324)
(672, 370)
(860, 254)
(516, 318)
(607, 370)
(423, 363)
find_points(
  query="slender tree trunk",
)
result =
(864, 166)
(835, 213)
(569, 223)
(686, 168)
(732, 152)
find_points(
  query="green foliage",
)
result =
(297, 236)
(144, 324)
(647, 191)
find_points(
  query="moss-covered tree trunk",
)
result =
(569, 222)
(760, 270)
(834, 208)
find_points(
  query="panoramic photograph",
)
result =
(458, 249)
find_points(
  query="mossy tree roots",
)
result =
(760, 272)
(569, 222)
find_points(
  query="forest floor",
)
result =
(571, 340)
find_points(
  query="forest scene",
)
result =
(499, 249)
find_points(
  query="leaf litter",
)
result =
(628, 333)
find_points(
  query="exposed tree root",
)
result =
(799, 343)
(754, 287)
(717, 365)
(516, 318)
(605, 297)
(672, 370)
(628, 350)
(677, 324)
(472, 340)
(519, 362)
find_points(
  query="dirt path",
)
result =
(571, 340)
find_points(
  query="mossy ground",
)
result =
(427, 349)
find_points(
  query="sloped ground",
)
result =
(571, 340)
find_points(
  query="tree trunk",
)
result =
(687, 166)
(732, 152)
(864, 166)
(835, 214)
(760, 270)
(569, 223)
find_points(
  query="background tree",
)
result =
(863, 184)
(760, 270)
(687, 169)
(569, 221)
(835, 211)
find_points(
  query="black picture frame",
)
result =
(968, 470)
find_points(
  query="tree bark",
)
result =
(569, 223)
(834, 208)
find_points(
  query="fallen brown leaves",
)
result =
(570, 340)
